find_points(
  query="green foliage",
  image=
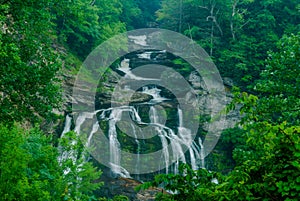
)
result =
(221, 158)
(78, 173)
(29, 169)
(237, 34)
(280, 83)
(266, 152)
(139, 13)
(194, 185)
(147, 17)
(267, 169)
(14, 183)
(115, 198)
(130, 12)
(29, 86)
(276, 156)
(82, 25)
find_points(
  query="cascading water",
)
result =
(145, 55)
(94, 130)
(67, 126)
(201, 153)
(124, 67)
(137, 150)
(175, 137)
(166, 135)
(196, 152)
(161, 134)
(114, 144)
(155, 93)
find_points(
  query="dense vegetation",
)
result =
(267, 149)
(255, 43)
(236, 33)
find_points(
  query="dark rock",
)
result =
(105, 100)
(228, 81)
(126, 187)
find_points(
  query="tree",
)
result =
(279, 84)
(147, 17)
(130, 13)
(270, 159)
(259, 24)
(268, 162)
(82, 24)
(29, 169)
(236, 33)
(29, 86)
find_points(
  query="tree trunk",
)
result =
(234, 3)
(180, 17)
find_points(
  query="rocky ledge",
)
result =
(126, 187)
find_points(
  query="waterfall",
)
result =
(180, 117)
(185, 135)
(196, 152)
(139, 40)
(94, 130)
(153, 115)
(165, 150)
(201, 153)
(67, 126)
(161, 134)
(124, 67)
(168, 138)
(186, 139)
(178, 153)
(71, 154)
(155, 93)
(138, 150)
(79, 121)
(114, 145)
(145, 55)
(172, 141)
(166, 133)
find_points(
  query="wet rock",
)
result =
(126, 187)
(228, 81)
(124, 98)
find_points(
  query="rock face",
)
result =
(126, 187)
(103, 98)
